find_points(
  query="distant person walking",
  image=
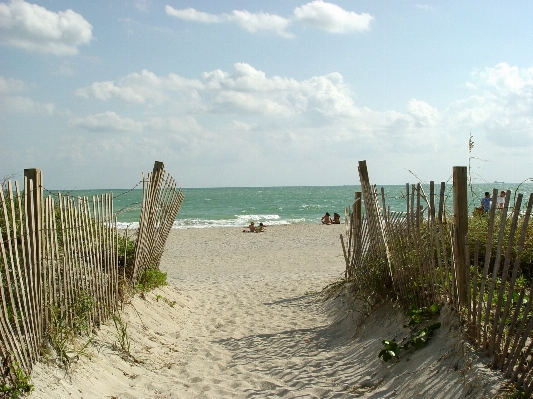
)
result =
(485, 202)
(500, 201)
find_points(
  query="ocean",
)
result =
(238, 206)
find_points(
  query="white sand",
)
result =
(246, 322)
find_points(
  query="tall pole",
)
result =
(460, 207)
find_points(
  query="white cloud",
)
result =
(142, 5)
(501, 107)
(250, 90)
(10, 85)
(173, 124)
(244, 90)
(240, 102)
(219, 111)
(251, 22)
(10, 102)
(107, 122)
(139, 88)
(34, 28)
(261, 21)
(318, 14)
(505, 78)
(240, 125)
(247, 78)
(332, 18)
(424, 114)
(190, 14)
(25, 105)
(106, 90)
(425, 7)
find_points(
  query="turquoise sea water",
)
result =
(238, 206)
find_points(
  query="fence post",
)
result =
(431, 215)
(460, 207)
(33, 207)
(158, 166)
(357, 211)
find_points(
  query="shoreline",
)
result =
(177, 226)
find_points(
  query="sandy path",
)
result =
(247, 323)
(241, 318)
(257, 318)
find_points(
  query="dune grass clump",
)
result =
(150, 279)
(477, 231)
(121, 327)
(126, 255)
(62, 334)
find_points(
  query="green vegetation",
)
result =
(166, 300)
(150, 279)
(418, 315)
(420, 335)
(334, 287)
(477, 231)
(86, 245)
(126, 255)
(20, 383)
(511, 390)
(123, 341)
(390, 350)
(63, 335)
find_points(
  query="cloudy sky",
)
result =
(265, 93)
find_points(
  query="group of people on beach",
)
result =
(326, 219)
(253, 229)
(486, 203)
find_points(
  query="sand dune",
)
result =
(242, 318)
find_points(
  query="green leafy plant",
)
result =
(418, 315)
(390, 350)
(20, 383)
(421, 337)
(150, 279)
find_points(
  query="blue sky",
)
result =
(257, 93)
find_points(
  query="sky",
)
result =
(265, 93)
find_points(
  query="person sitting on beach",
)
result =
(261, 228)
(251, 228)
(500, 201)
(336, 218)
(485, 202)
(326, 219)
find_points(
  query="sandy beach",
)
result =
(242, 317)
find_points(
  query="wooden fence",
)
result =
(160, 206)
(59, 257)
(424, 256)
